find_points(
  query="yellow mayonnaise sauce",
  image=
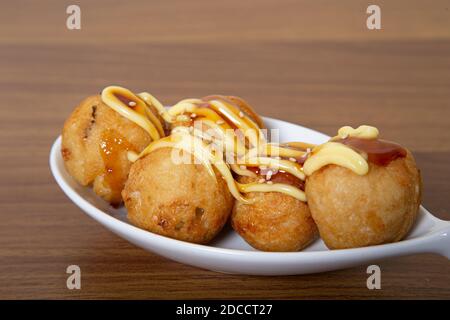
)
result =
(363, 132)
(339, 154)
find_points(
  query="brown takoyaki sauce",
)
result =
(126, 100)
(206, 104)
(379, 152)
(112, 146)
(304, 146)
(220, 97)
(237, 103)
(287, 178)
(300, 160)
(281, 177)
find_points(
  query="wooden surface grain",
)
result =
(309, 62)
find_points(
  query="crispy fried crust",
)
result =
(181, 201)
(274, 222)
(354, 211)
(81, 138)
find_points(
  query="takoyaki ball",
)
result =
(181, 201)
(95, 141)
(355, 211)
(274, 221)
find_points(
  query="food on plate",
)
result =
(98, 134)
(362, 190)
(181, 201)
(273, 221)
(275, 215)
(224, 135)
(184, 171)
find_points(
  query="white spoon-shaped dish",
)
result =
(229, 253)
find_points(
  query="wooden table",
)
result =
(312, 63)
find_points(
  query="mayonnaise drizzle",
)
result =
(363, 132)
(250, 144)
(340, 154)
(138, 113)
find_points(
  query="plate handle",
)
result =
(441, 241)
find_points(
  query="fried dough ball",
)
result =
(181, 201)
(95, 141)
(274, 222)
(355, 211)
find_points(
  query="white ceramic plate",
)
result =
(229, 253)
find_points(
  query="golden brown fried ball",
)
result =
(95, 141)
(274, 222)
(181, 201)
(355, 211)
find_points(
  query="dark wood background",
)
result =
(309, 62)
